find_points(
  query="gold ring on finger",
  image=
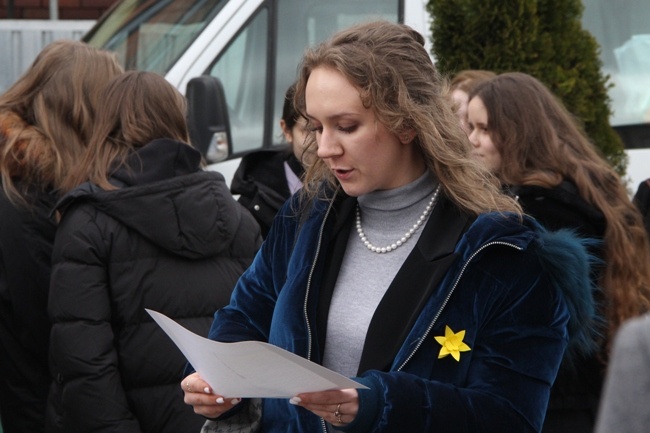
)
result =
(338, 414)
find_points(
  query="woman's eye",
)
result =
(348, 129)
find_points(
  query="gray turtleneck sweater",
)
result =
(365, 275)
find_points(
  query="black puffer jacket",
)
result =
(261, 183)
(171, 239)
(26, 236)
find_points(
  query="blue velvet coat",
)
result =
(509, 285)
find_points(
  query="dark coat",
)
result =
(576, 393)
(26, 237)
(171, 239)
(515, 322)
(560, 208)
(261, 183)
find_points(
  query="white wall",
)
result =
(638, 168)
(22, 40)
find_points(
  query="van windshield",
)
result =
(151, 35)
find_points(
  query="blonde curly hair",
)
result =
(397, 80)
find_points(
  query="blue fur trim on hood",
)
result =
(585, 324)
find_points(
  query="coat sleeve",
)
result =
(253, 304)
(87, 392)
(624, 404)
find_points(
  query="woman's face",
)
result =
(295, 135)
(460, 98)
(484, 149)
(361, 152)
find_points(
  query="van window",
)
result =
(260, 63)
(242, 68)
(153, 33)
(621, 28)
(302, 23)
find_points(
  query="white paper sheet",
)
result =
(251, 368)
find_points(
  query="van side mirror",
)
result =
(208, 119)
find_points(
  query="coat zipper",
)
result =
(311, 273)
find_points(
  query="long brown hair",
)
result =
(541, 143)
(48, 115)
(137, 108)
(396, 78)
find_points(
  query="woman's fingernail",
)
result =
(220, 400)
(206, 390)
(295, 400)
(235, 401)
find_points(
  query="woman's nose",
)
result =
(473, 138)
(328, 145)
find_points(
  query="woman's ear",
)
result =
(286, 131)
(406, 136)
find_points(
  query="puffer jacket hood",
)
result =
(164, 197)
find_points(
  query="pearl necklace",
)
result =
(407, 235)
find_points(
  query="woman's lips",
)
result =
(342, 174)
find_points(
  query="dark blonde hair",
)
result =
(397, 80)
(48, 115)
(289, 114)
(137, 108)
(466, 79)
(541, 143)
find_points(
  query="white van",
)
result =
(234, 59)
(252, 46)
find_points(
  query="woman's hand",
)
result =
(338, 407)
(201, 397)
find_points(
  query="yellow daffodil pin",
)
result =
(452, 344)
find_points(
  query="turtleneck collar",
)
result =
(402, 197)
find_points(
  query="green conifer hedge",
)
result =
(543, 38)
